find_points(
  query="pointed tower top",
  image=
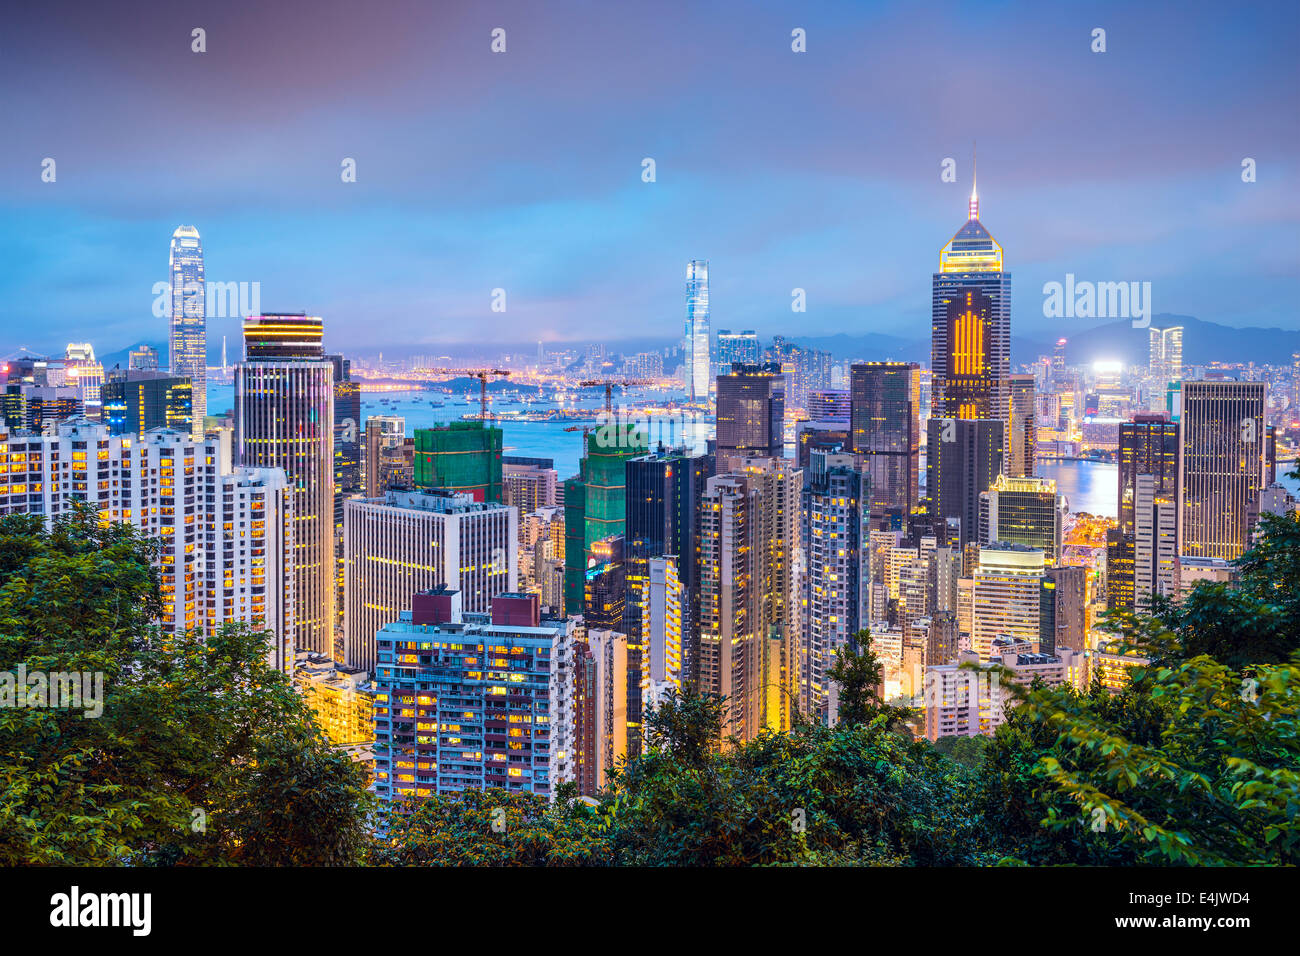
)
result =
(974, 191)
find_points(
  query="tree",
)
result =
(493, 828)
(202, 752)
(860, 676)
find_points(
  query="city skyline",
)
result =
(785, 187)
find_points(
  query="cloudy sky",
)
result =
(523, 170)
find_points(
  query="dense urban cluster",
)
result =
(790, 608)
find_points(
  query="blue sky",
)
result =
(522, 170)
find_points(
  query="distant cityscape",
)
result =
(726, 515)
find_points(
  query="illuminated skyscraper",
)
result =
(1024, 511)
(696, 344)
(189, 330)
(1222, 466)
(963, 459)
(1022, 446)
(1166, 361)
(737, 348)
(885, 410)
(751, 412)
(284, 418)
(971, 326)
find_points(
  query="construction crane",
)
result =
(481, 374)
(609, 382)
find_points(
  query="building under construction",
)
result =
(463, 457)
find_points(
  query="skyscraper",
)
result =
(1222, 466)
(284, 418)
(1024, 511)
(406, 542)
(885, 418)
(189, 330)
(737, 348)
(963, 459)
(1022, 446)
(835, 530)
(751, 412)
(1148, 446)
(971, 326)
(696, 345)
(1166, 361)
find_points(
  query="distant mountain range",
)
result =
(1203, 343)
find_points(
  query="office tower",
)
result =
(1063, 610)
(143, 358)
(963, 459)
(38, 408)
(1006, 598)
(1024, 511)
(751, 412)
(494, 691)
(832, 405)
(347, 431)
(749, 536)
(696, 345)
(460, 457)
(136, 401)
(528, 483)
(386, 464)
(605, 585)
(1222, 466)
(806, 370)
(595, 502)
(662, 518)
(86, 375)
(284, 418)
(223, 534)
(885, 417)
(188, 348)
(1148, 445)
(1155, 542)
(1022, 447)
(408, 541)
(737, 348)
(835, 529)
(971, 326)
(347, 458)
(1166, 361)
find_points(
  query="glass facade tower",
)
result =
(189, 331)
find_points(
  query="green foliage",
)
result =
(860, 676)
(202, 754)
(494, 828)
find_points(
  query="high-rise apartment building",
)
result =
(467, 701)
(1222, 466)
(885, 400)
(528, 483)
(386, 462)
(749, 536)
(696, 344)
(284, 418)
(836, 529)
(224, 534)
(408, 541)
(189, 329)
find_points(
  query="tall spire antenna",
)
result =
(974, 191)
